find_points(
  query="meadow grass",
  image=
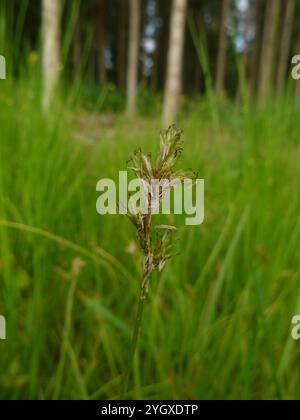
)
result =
(217, 322)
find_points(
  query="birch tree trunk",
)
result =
(51, 13)
(133, 56)
(221, 61)
(268, 49)
(174, 65)
(285, 45)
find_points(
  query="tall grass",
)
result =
(218, 321)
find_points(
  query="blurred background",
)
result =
(87, 82)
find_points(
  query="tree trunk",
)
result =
(122, 42)
(133, 56)
(163, 43)
(158, 45)
(51, 13)
(77, 44)
(155, 69)
(285, 45)
(240, 94)
(221, 61)
(268, 49)
(174, 66)
(102, 43)
(256, 51)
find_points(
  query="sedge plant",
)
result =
(157, 243)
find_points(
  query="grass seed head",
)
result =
(157, 243)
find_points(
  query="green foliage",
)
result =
(217, 324)
(149, 104)
(110, 99)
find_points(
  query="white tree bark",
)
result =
(51, 12)
(133, 56)
(174, 65)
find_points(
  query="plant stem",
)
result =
(137, 325)
(147, 270)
